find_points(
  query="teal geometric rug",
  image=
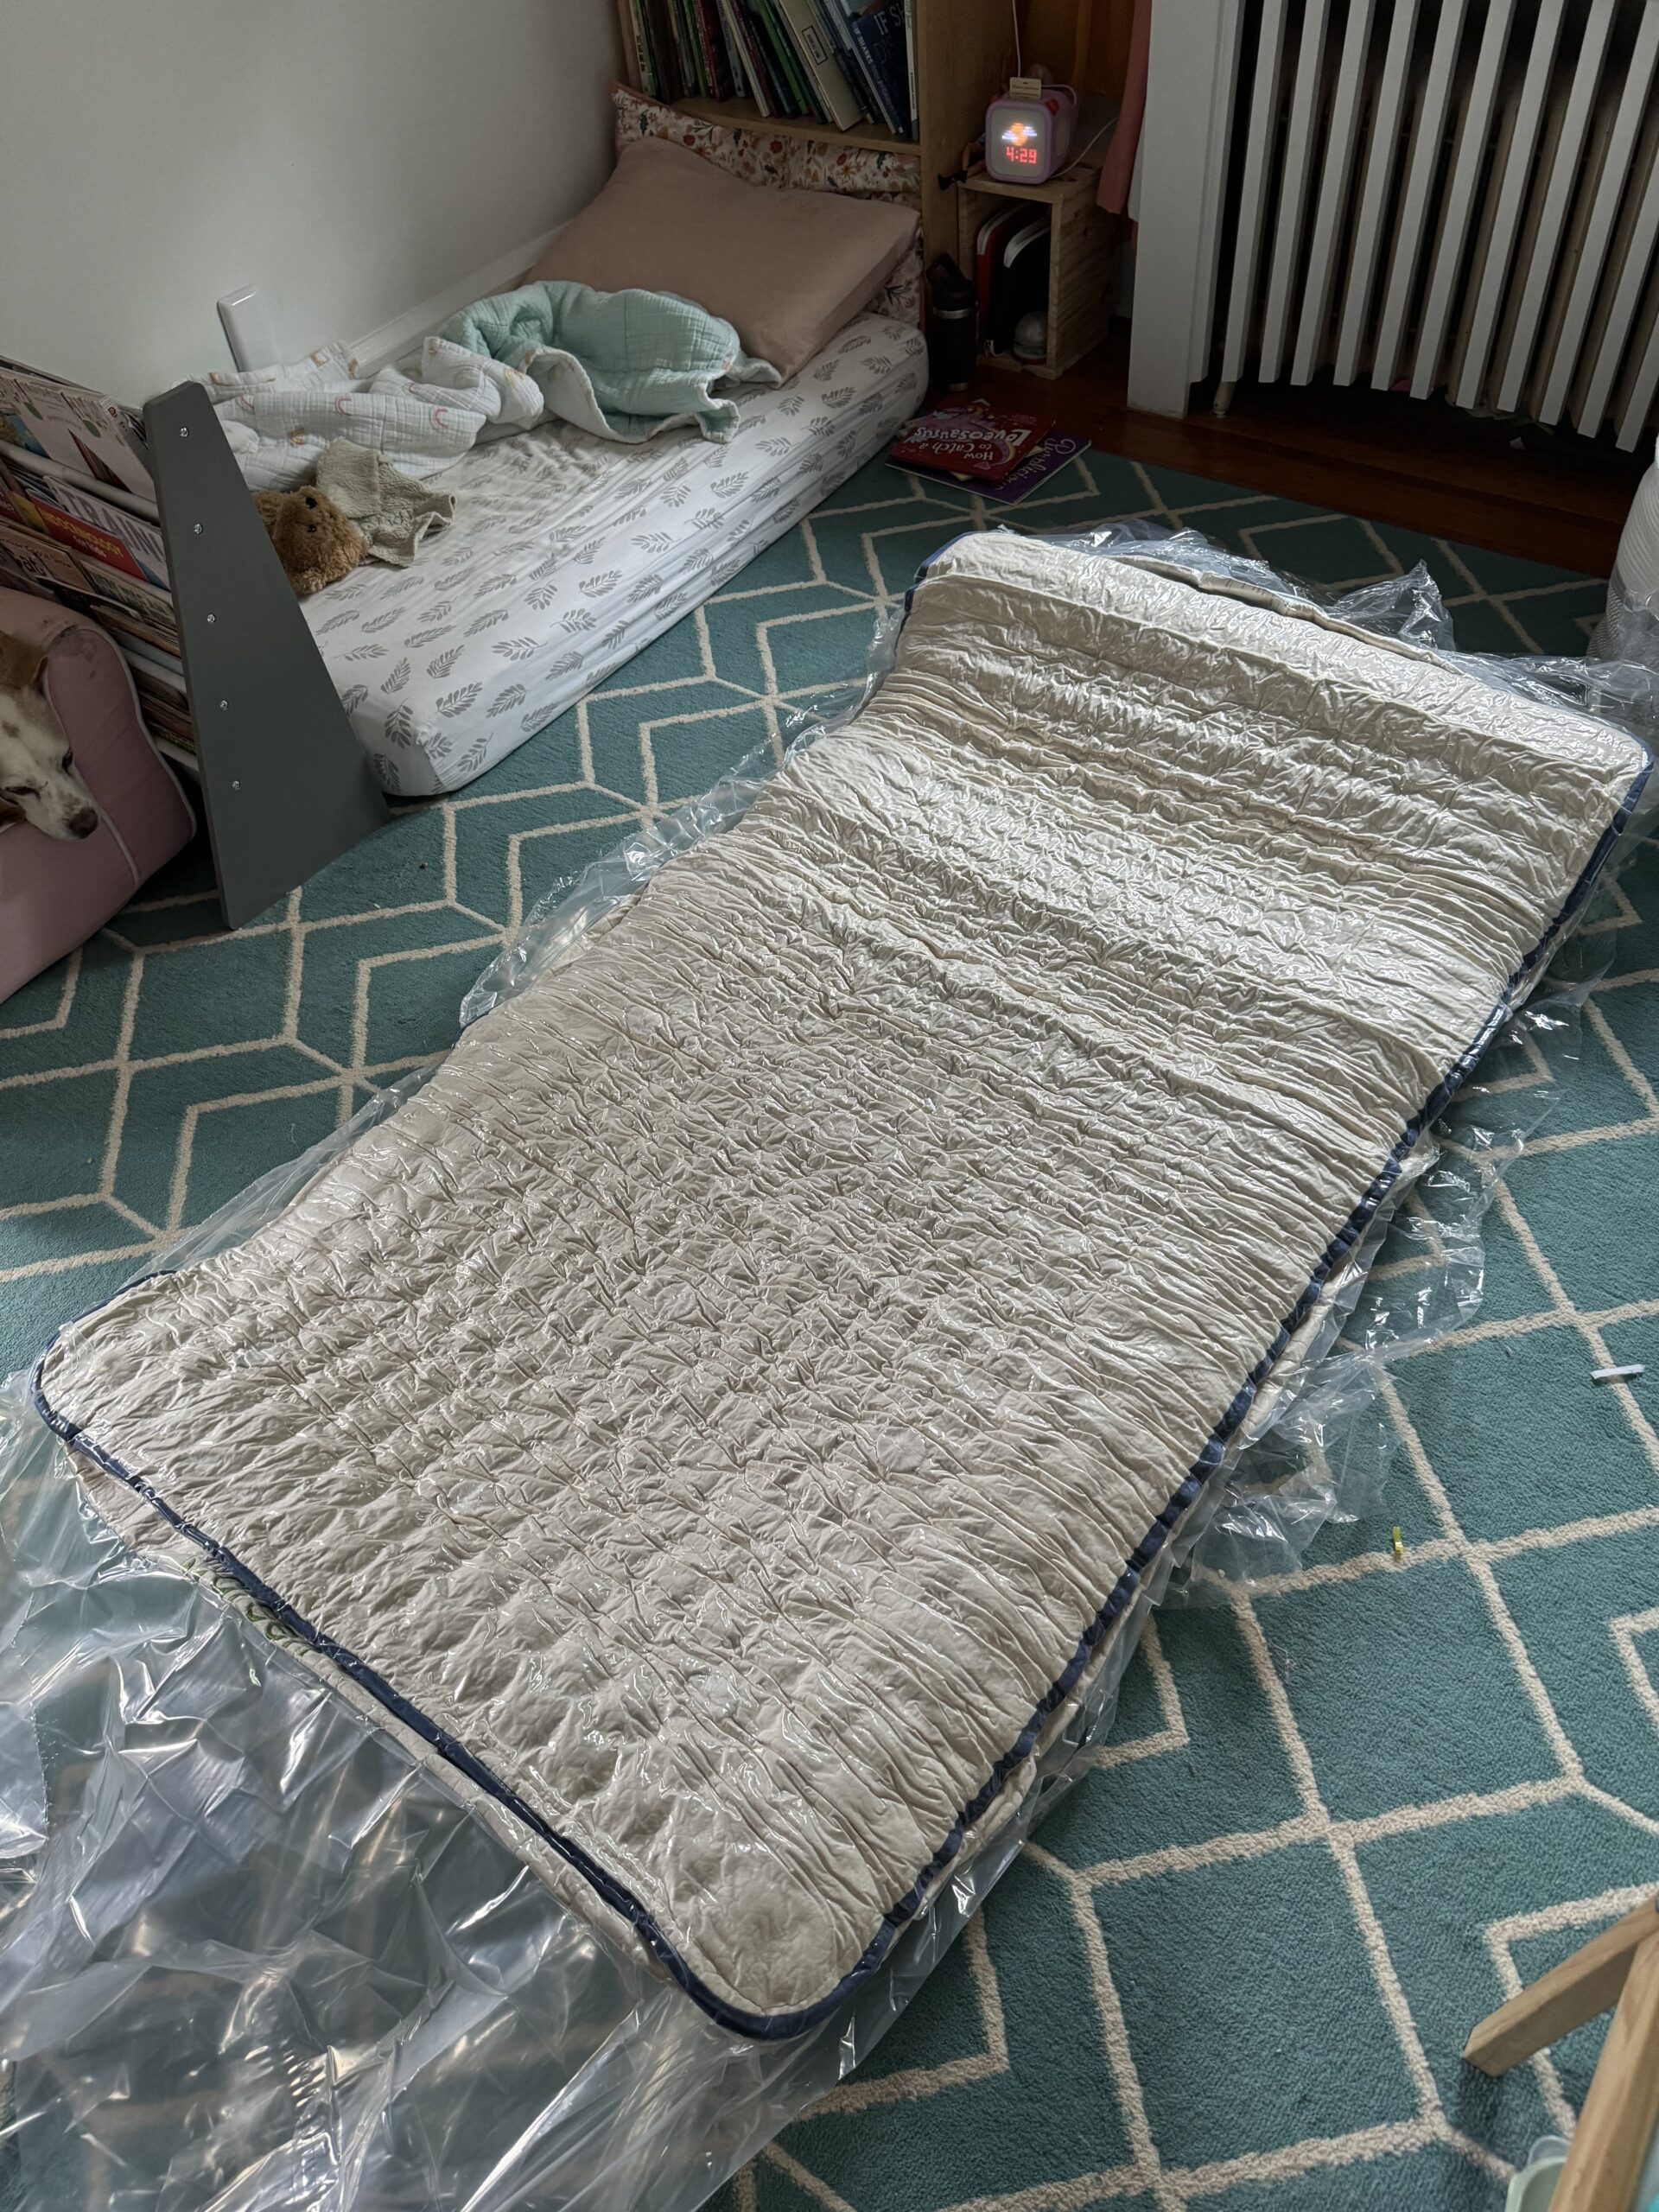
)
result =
(1338, 1820)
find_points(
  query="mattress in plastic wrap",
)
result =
(726, 1423)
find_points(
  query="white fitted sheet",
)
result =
(569, 554)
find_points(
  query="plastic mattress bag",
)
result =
(253, 1958)
(1322, 1450)
(1628, 629)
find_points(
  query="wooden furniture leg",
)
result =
(1619, 1966)
(1615, 2129)
(1569, 1995)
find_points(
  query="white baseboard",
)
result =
(374, 350)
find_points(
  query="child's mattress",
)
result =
(567, 554)
(725, 1413)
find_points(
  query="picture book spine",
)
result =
(645, 60)
(685, 67)
(703, 86)
(665, 48)
(833, 93)
(891, 19)
(737, 61)
(877, 67)
(713, 48)
(776, 100)
(852, 62)
(783, 58)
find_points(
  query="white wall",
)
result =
(354, 158)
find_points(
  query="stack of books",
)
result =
(78, 523)
(987, 450)
(844, 62)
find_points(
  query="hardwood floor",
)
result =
(1421, 464)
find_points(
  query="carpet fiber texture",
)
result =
(1338, 1819)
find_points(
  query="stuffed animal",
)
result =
(315, 543)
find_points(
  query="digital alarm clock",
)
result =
(1028, 139)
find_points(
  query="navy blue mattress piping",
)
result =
(778, 2026)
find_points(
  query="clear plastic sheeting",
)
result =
(1628, 629)
(253, 1958)
(1325, 1453)
(1319, 1448)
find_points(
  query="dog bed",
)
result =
(568, 553)
(723, 1419)
(53, 895)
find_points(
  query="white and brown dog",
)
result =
(37, 774)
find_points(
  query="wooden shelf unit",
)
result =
(745, 116)
(963, 53)
(1082, 256)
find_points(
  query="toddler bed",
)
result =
(569, 553)
(725, 1424)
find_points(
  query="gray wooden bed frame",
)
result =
(285, 786)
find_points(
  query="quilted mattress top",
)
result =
(725, 1412)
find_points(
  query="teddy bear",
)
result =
(315, 543)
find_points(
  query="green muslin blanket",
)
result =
(622, 365)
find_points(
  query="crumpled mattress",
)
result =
(723, 1416)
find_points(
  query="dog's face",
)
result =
(37, 774)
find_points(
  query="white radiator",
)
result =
(1456, 196)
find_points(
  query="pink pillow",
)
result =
(786, 269)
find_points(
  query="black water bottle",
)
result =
(952, 326)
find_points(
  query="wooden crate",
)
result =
(1082, 256)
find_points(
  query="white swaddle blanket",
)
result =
(280, 422)
(626, 366)
(724, 1414)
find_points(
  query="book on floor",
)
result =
(985, 443)
(1051, 453)
(1044, 460)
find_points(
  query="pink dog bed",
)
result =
(53, 893)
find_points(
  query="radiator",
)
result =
(1451, 196)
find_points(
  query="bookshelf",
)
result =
(963, 53)
(744, 115)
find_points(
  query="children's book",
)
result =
(96, 437)
(1044, 460)
(986, 443)
(125, 542)
(42, 560)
